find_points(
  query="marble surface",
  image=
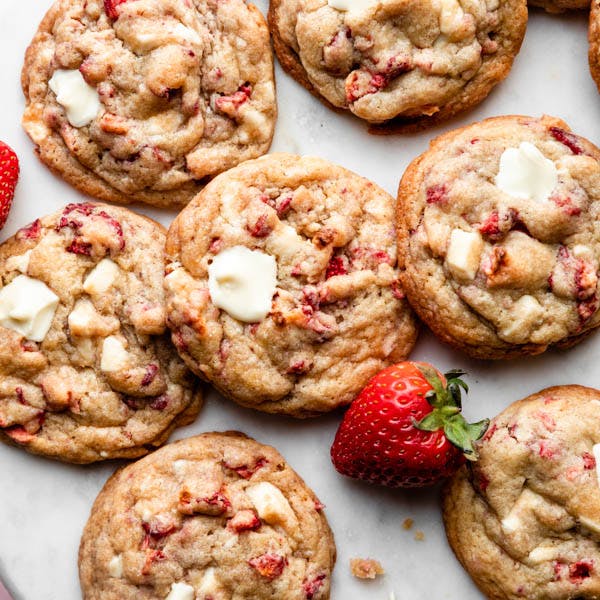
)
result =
(44, 505)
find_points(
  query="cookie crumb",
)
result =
(365, 568)
(408, 523)
(419, 536)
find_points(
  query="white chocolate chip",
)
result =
(271, 505)
(242, 282)
(451, 16)
(115, 566)
(285, 242)
(464, 253)
(582, 252)
(80, 100)
(27, 306)
(101, 277)
(590, 524)
(19, 263)
(180, 467)
(526, 173)
(181, 591)
(542, 554)
(510, 524)
(525, 314)
(209, 584)
(352, 5)
(114, 355)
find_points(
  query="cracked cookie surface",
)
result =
(183, 89)
(215, 516)
(524, 519)
(499, 274)
(415, 61)
(104, 380)
(337, 315)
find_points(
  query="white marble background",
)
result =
(44, 505)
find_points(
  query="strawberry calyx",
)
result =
(446, 402)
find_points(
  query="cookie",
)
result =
(524, 519)
(282, 287)
(499, 238)
(87, 371)
(402, 64)
(214, 516)
(143, 100)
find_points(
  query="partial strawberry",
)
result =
(9, 175)
(405, 428)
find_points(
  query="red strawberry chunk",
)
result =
(31, 232)
(580, 570)
(336, 266)
(160, 402)
(261, 228)
(570, 140)
(244, 520)
(312, 586)
(111, 8)
(246, 471)
(589, 462)
(270, 565)
(9, 175)
(436, 194)
(151, 371)
(230, 105)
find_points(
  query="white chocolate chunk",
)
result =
(286, 243)
(115, 566)
(451, 16)
(525, 315)
(510, 524)
(83, 318)
(351, 5)
(19, 263)
(526, 173)
(582, 252)
(181, 591)
(180, 467)
(464, 253)
(80, 100)
(542, 554)
(271, 505)
(101, 277)
(114, 355)
(209, 584)
(596, 452)
(27, 306)
(242, 282)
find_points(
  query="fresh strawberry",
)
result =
(9, 175)
(405, 428)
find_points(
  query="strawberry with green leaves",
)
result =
(405, 428)
(9, 175)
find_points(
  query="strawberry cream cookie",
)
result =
(524, 519)
(87, 372)
(499, 236)
(413, 63)
(142, 100)
(216, 516)
(282, 286)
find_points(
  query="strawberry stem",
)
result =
(446, 403)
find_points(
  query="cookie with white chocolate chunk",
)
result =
(524, 519)
(215, 516)
(87, 371)
(499, 236)
(143, 100)
(282, 286)
(398, 63)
